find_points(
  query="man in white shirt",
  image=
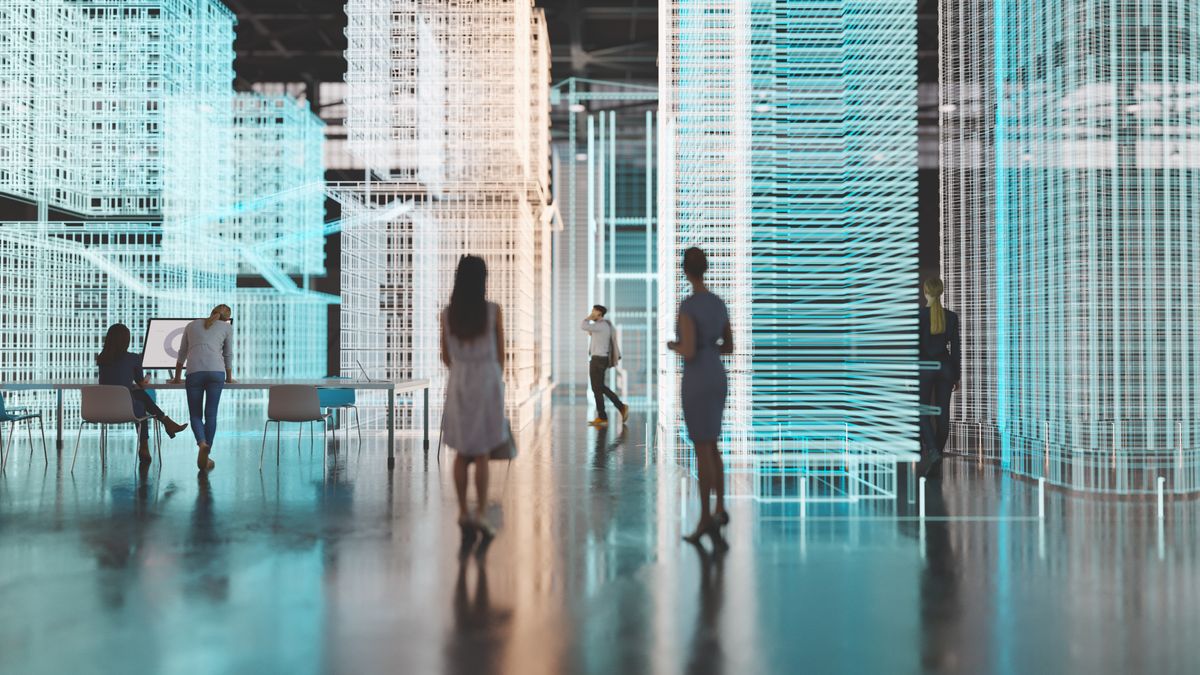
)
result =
(604, 353)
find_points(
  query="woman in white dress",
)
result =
(473, 421)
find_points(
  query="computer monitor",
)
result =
(160, 349)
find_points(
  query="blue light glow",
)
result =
(789, 154)
(1071, 236)
(123, 113)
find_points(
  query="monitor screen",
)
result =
(161, 347)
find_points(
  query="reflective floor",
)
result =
(352, 569)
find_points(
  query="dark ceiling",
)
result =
(303, 40)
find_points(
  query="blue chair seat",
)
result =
(11, 416)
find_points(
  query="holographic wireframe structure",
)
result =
(122, 113)
(788, 153)
(279, 140)
(1089, 216)
(605, 183)
(448, 106)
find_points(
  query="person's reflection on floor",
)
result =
(480, 632)
(204, 557)
(119, 540)
(706, 654)
(939, 588)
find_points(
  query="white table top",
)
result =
(400, 386)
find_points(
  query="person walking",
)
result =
(703, 335)
(117, 366)
(207, 350)
(473, 421)
(603, 353)
(938, 339)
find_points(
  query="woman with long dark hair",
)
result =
(117, 366)
(704, 334)
(473, 422)
(938, 340)
(207, 350)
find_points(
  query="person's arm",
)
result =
(589, 324)
(500, 337)
(139, 375)
(727, 339)
(442, 339)
(686, 346)
(227, 354)
(956, 351)
(182, 358)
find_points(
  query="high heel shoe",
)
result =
(701, 529)
(718, 540)
(721, 518)
(469, 533)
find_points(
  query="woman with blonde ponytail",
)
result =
(207, 350)
(938, 341)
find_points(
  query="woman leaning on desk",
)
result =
(207, 349)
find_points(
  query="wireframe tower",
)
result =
(448, 104)
(121, 113)
(1070, 186)
(788, 153)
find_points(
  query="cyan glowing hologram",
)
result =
(788, 153)
(1071, 183)
(126, 111)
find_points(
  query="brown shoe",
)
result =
(171, 427)
(202, 461)
(144, 451)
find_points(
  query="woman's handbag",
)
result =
(508, 448)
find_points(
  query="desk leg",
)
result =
(391, 429)
(427, 419)
(58, 419)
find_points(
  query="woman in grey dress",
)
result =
(704, 335)
(473, 421)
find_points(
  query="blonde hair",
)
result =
(218, 312)
(933, 288)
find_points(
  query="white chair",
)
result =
(292, 403)
(107, 404)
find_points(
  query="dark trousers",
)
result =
(935, 387)
(142, 404)
(596, 370)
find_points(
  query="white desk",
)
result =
(392, 388)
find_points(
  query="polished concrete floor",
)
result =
(352, 569)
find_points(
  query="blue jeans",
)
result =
(204, 397)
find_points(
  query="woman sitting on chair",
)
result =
(119, 367)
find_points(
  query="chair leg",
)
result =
(29, 435)
(358, 426)
(12, 432)
(42, 425)
(324, 441)
(262, 451)
(3, 454)
(75, 455)
(278, 440)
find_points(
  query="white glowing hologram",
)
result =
(448, 106)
